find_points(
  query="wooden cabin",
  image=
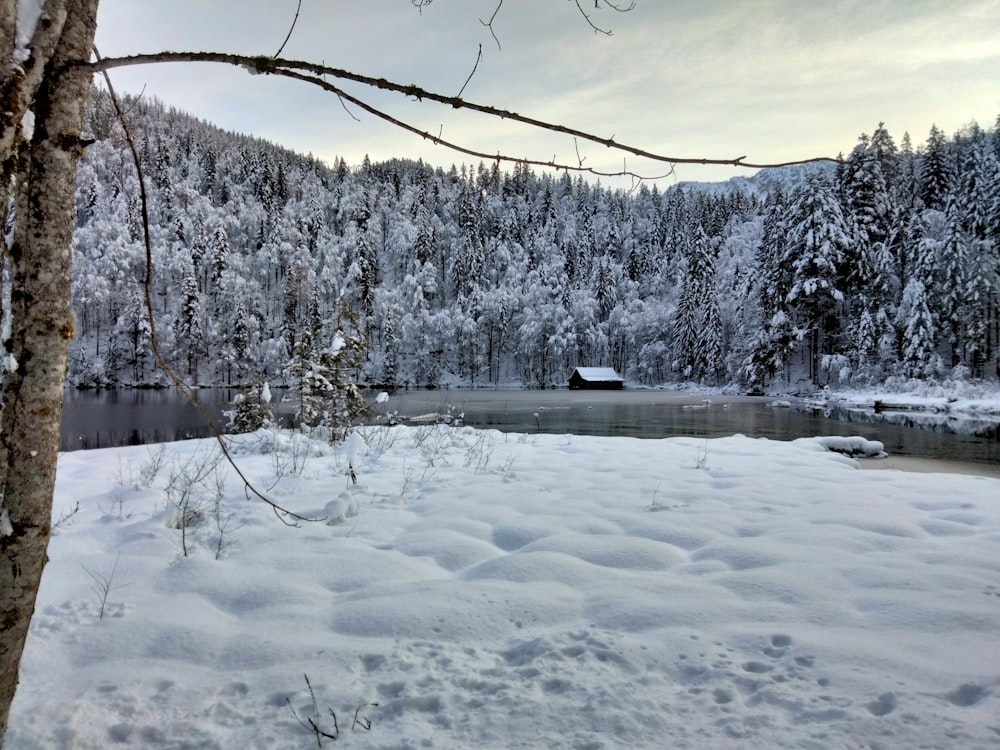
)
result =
(596, 378)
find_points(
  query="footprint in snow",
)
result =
(884, 705)
(967, 695)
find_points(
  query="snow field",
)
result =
(500, 590)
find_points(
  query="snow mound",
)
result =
(853, 446)
(339, 510)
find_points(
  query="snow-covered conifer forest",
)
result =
(886, 265)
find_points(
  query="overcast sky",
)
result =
(772, 80)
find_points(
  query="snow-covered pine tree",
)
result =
(953, 282)
(325, 361)
(817, 239)
(687, 326)
(711, 350)
(919, 333)
(220, 256)
(978, 208)
(130, 348)
(935, 172)
(251, 408)
(188, 328)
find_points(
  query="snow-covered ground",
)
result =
(492, 590)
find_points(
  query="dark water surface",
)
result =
(101, 419)
(136, 416)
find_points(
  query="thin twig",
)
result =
(363, 721)
(311, 723)
(350, 114)
(474, 69)
(289, 36)
(489, 25)
(66, 516)
(104, 585)
(343, 105)
(597, 4)
(135, 103)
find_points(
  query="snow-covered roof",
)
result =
(598, 373)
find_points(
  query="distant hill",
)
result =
(473, 275)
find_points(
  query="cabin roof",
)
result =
(597, 373)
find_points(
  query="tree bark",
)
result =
(21, 77)
(41, 322)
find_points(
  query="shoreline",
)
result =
(919, 465)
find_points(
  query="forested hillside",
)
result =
(886, 265)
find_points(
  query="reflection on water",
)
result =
(923, 420)
(652, 414)
(95, 419)
(135, 416)
(920, 433)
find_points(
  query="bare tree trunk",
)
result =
(41, 320)
(11, 80)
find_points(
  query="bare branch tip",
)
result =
(298, 9)
(489, 25)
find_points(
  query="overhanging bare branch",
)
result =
(438, 140)
(312, 72)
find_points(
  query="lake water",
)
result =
(136, 416)
(101, 419)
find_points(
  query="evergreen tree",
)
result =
(220, 255)
(865, 338)
(919, 335)
(953, 282)
(188, 330)
(907, 186)
(978, 209)
(711, 350)
(306, 380)
(390, 345)
(687, 323)
(817, 239)
(769, 351)
(251, 409)
(935, 175)
(199, 251)
(872, 219)
(605, 287)
(774, 275)
(883, 148)
(130, 342)
(323, 370)
(240, 341)
(366, 273)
